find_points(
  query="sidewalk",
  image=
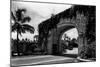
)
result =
(29, 57)
(46, 59)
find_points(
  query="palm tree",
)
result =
(19, 19)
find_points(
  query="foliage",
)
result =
(19, 19)
(84, 19)
(88, 51)
(26, 47)
(85, 23)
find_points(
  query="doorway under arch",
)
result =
(68, 41)
(57, 47)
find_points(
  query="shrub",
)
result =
(88, 51)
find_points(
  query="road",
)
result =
(39, 60)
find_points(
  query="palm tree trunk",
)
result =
(17, 44)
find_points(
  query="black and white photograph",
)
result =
(44, 33)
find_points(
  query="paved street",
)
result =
(37, 60)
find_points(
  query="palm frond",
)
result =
(26, 19)
(19, 14)
(22, 30)
(12, 16)
(17, 27)
(28, 28)
(14, 27)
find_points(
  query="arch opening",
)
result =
(68, 41)
(65, 47)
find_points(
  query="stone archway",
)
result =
(60, 32)
(54, 46)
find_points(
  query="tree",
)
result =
(19, 19)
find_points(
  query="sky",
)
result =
(72, 33)
(38, 13)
